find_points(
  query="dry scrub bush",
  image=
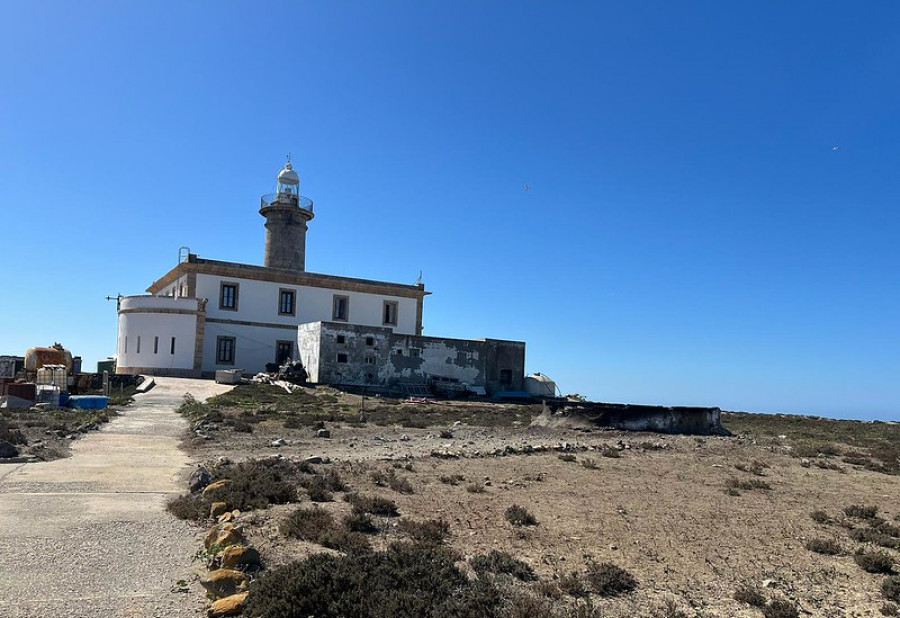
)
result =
(407, 581)
(453, 479)
(820, 517)
(607, 579)
(567, 457)
(861, 511)
(502, 563)
(750, 595)
(890, 588)
(475, 488)
(875, 536)
(827, 547)
(376, 505)
(779, 608)
(390, 479)
(889, 609)
(611, 453)
(874, 562)
(307, 524)
(747, 485)
(519, 516)
(430, 532)
(358, 521)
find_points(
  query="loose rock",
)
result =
(229, 606)
(8, 450)
(224, 582)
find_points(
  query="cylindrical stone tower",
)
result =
(286, 213)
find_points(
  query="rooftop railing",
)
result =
(272, 199)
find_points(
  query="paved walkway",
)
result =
(88, 536)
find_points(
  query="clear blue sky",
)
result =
(690, 236)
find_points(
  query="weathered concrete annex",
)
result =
(205, 315)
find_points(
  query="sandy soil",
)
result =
(660, 509)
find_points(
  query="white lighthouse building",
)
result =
(205, 315)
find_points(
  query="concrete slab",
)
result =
(88, 536)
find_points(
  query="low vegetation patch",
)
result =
(750, 595)
(429, 532)
(820, 517)
(502, 563)
(827, 547)
(861, 511)
(874, 536)
(747, 485)
(375, 505)
(890, 588)
(406, 581)
(607, 579)
(317, 525)
(874, 562)
(519, 516)
(779, 608)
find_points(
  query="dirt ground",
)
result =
(668, 509)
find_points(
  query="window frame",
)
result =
(282, 293)
(289, 344)
(394, 312)
(219, 341)
(235, 299)
(335, 303)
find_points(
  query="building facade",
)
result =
(205, 315)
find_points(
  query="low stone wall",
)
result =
(631, 417)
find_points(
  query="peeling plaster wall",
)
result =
(309, 343)
(370, 355)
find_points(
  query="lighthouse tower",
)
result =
(286, 213)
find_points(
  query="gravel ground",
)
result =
(88, 536)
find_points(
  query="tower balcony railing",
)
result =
(275, 199)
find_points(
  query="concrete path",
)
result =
(88, 536)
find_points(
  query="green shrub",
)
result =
(407, 581)
(502, 563)
(861, 511)
(874, 562)
(519, 516)
(890, 588)
(827, 547)
(376, 505)
(750, 595)
(607, 579)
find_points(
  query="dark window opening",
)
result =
(138, 346)
(156, 345)
(390, 313)
(225, 350)
(341, 308)
(228, 296)
(341, 339)
(506, 377)
(370, 341)
(286, 303)
(342, 357)
(284, 351)
(173, 345)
